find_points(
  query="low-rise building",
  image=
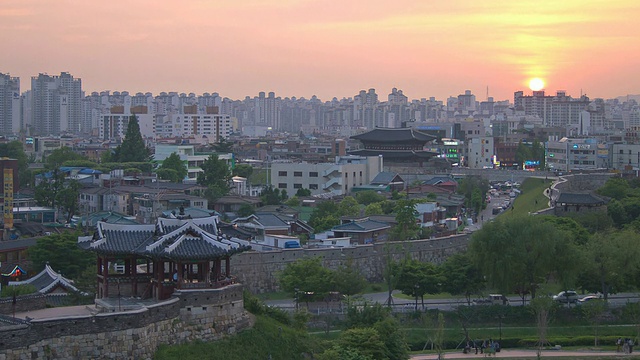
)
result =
(337, 178)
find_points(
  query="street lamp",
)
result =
(417, 287)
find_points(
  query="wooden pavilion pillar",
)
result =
(228, 266)
(134, 273)
(180, 275)
(205, 272)
(105, 276)
(99, 272)
(159, 268)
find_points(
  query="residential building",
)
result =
(559, 110)
(337, 178)
(10, 105)
(56, 104)
(480, 153)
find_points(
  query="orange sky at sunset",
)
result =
(327, 48)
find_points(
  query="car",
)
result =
(492, 299)
(567, 296)
(589, 298)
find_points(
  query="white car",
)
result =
(567, 297)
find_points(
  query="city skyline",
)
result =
(299, 48)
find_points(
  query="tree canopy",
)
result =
(133, 148)
(62, 253)
(172, 169)
(215, 176)
(518, 254)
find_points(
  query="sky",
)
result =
(301, 48)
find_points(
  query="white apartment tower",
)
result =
(10, 109)
(57, 104)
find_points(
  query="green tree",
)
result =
(417, 278)
(68, 198)
(132, 148)
(60, 156)
(270, 196)
(245, 210)
(467, 187)
(172, 169)
(347, 280)
(369, 197)
(616, 188)
(462, 276)
(373, 209)
(303, 192)
(215, 176)
(542, 307)
(62, 253)
(294, 201)
(594, 311)
(349, 207)
(14, 150)
(324, 216)
(611, 261)
(407, 226)
(517, 255)
(617, 212)
(243, 170)
(307, 276)
(17, 290)
(523, 153)
(47, 191)
(366, 341)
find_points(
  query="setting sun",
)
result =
(536, 84)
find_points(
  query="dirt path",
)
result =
(525, 354)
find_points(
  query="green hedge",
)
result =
(417, 343)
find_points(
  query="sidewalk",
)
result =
(524, 354)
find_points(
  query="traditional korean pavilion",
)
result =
(158, 259)
(399, 145)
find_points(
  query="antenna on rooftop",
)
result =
(487, 93)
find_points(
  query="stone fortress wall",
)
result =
(192, 315)
(258, 271)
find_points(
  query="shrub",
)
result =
(9, 291)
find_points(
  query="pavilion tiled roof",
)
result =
(46, 281)
(393, 135)
(175, 239)
(395, 154)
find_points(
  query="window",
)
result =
(297, 186)
(313, 174)
(361, 174)
(346, 175)
(297, 173)
(313, 186)
(282, 173)
(282, 185)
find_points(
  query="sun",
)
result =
(536, 84)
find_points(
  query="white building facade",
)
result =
(337, 178)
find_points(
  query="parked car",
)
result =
(567, 296)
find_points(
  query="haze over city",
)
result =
(329, 49)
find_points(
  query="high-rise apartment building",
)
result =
(56, 104)
(10, 109)
(555, 111)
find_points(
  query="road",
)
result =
(406, 305)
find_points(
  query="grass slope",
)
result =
(268, 339)
(531, 199)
